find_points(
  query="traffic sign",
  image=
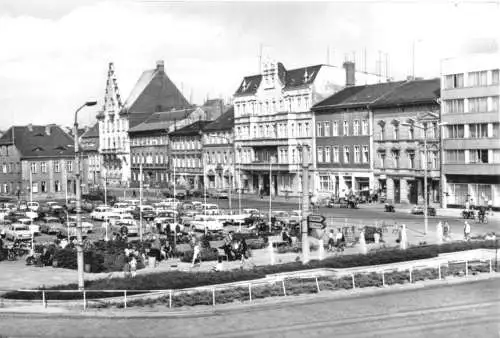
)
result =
(316, 222)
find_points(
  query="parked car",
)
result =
(18, 231)
(33, 206)
(132, 228)
(220, 194)
(210, 209)
(87, 225)
(101, 213)
(281, 216)
(54, 207)
(200, 222)
(419, 210)
(166, 216)
(98, 195)
(34, 228)
(50, 225)
(147, 211)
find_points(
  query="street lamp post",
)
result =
(305, 203)
(239, 179)
(424, 127)
(270, 187)
(79, 246)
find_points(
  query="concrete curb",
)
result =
(204, 311)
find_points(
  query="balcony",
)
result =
(263, 141)
(264, 166)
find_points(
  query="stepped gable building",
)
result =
(273, 121)
(149, 145)
(343, 132)
(89, 143)
(398, 142)
(153, 92)
(186, 165)
(38, 160)
(470, 111)
(218, 153)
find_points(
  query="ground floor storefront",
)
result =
(402, 189)
(341, 183)
(275, 183)
(477, 189)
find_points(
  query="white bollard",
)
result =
(124, 299)
(250, 291)
(383, 278)
(271, 252)
(439, 271)
(321, 250)
(170, 299)
(353, 283)
(317, 284)
(284, 289)
(466, 268)
(491, 269)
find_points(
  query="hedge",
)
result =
(180, 280)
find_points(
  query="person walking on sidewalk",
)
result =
(466, 231)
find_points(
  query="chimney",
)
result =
(350, 73)
(48, 129)
(30, 127)
(160, 65)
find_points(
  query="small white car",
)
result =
(133, 228)
(210, 209)
(54, 206)
(121, 218)
(87, 225)
(34, 228)
(166, 216)
(101, 213)
(33, 206)
(18, 231)
(200, 222)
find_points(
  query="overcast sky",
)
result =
(54, 54)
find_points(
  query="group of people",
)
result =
(336, 241)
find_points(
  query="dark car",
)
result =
(94, 196)
(147, 214)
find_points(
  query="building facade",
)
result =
(89, 143)
(344, 151)
(273, 121)
(398, 142)
(470, 113)
(218, 153)
(45, 162)
(153, 92)
(186, 165)
(10, 162)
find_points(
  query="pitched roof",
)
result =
(162, 120)
(223, 122)
(290, 78)
(154, 91)
(356, 96)
(191, 130)
(33, 141)
(412, 92)
(92, 132)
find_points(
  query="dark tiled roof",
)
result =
(162, 120)
(154, 91)
(249, 85)
(290, 78)
(92, 132)
(37, 143)
(356, 96)
(224, 122)
(191, 130)
(412, 92)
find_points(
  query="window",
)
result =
(478, 105)
(365, 154)
(356, 128)
(495, 106)
(43, 187)
(347, 155)
(479, 130)
(395, 158)
(395, 131)
(382, 132)
(411, 133)
(357, 154)
(455, 156)
(335, 129)
(4, 168)
(478, 156)
(69, 166)
(477, 79)
(34, 187)
(336, 156)
(495, 129)
(434, 159)
(495, 76)
(319, 129)
(364, 127)
(455, 131)
(381, 158)
(43, 168)
(454, 81)
(326, 129)
(319, 152)
(454, 106)
(307, 129)
(411, 160)
(327, 155)
(346, 128)
(33, 168)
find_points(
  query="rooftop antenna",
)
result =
(364, 60)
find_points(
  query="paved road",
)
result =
(465, 310)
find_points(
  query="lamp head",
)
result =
(90, 103)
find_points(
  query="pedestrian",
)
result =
(196, 251)
(490, 206)
(133, 266)
(331, 240)
(466, 231)
(126, 268)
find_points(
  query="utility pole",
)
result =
(426, 217)
(140, 202)
(305, 203)
(270, 194)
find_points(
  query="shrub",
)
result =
(210, 254)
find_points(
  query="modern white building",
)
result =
(153, 92)
(273, 120)
(470, 114)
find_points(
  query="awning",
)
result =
(381, 150)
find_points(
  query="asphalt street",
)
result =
(464, 310)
